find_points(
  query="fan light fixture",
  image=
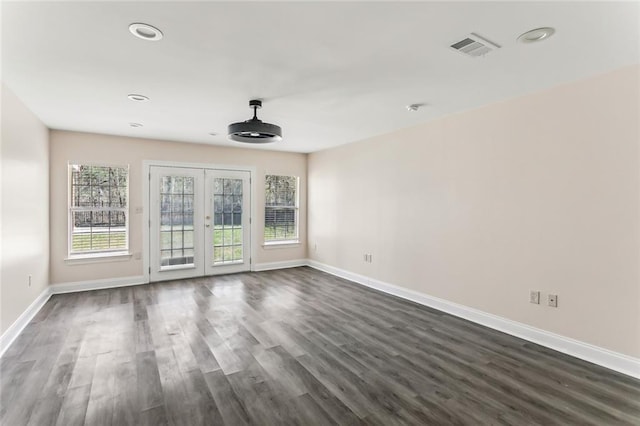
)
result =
(254, 130)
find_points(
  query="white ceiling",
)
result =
(329, 73)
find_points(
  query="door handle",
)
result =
(207, 225)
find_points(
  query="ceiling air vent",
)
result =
(474, 45)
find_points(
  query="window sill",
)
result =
(281, 244)
(117, 256)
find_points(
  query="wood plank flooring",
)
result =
(294, 346)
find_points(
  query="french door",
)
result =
(199, 222)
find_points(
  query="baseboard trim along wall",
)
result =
(23, 320)
(615, 361)
(280, 265)
(96, 284)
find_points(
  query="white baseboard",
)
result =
(23, 320)
(342, 273)
(96, 284)
(597, 355)
(280, 265)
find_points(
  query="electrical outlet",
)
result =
(534, 297)
(553, 300)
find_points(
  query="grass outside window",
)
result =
(98, 241)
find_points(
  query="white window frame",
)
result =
(290, 241)
(95, 254)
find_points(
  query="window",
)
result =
(98, 209)
(281, 209)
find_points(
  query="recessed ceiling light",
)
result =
(145, 31)
(137, 98)
(135, 124)
(536, 35)
(213, 134)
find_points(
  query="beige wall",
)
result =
(540, 192)
(24, 155)
(86, 147)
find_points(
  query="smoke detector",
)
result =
(473, 45)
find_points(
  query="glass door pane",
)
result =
(227, 221)
(228, 203)
(176, 221)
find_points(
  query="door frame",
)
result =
(146, 205)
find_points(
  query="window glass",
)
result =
(99, 208)
(281, 208)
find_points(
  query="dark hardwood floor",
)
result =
(293, 346)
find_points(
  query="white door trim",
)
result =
(146, 204)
